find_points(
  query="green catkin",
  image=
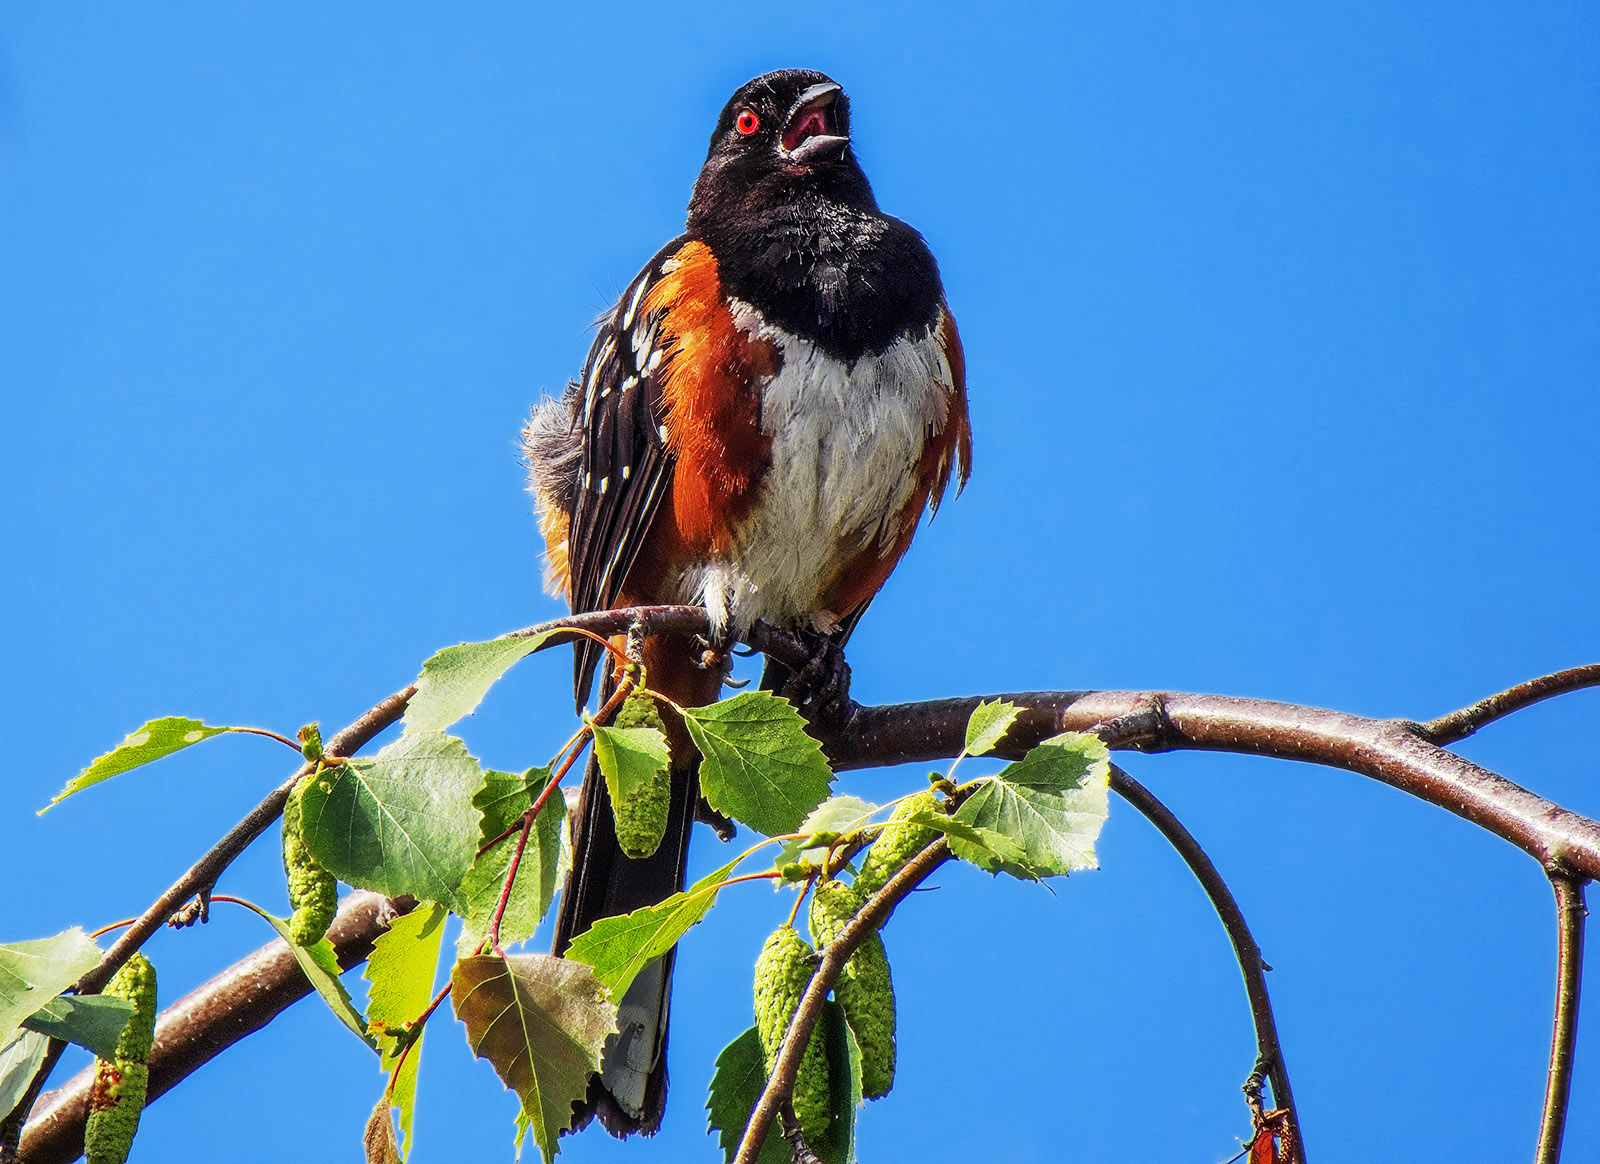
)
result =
(864, 990)
(642, 816)
(782, 973)
(897, 844)
(121, 1083)
(313, 891)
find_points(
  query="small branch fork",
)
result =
(1269, 1052)
(1402, 753)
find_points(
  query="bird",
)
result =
(763, 418)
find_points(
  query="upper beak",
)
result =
(801, 141)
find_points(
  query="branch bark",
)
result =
(1269, 1051)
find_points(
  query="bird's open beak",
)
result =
(810, 132)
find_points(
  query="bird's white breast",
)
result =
(845, 443)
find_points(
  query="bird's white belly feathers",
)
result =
(846, 439)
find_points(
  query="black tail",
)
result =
(630, 1091)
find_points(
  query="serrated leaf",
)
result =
(403, 965)
(158, 738)
(741, 1077)
(502, 802)
(455, 680)
(401, 822)
(19, 1061)
(541, 1023)
(988, 725)
(736, 1087)
(759, 765)
(1051, 803)
(619, 947)
(34, 972)
(629, 757)
(95, 1021)
(320, 965)
(983, 847)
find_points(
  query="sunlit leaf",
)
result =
(619, 947)
(158, 738)
(320, 965)
(19, 1061)
(502, 802)
(403, 965)
(988, 725)
(760, 767)
(401, 822)
(455, 680)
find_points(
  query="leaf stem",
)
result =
(116, 925)
(271, 735)
(415, 1025)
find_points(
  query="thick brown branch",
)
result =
(1458, 725)
(195, 1029)
(837, 952)
(1570, 914)
(1386, 750)
(1269, 1052)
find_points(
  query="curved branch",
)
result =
(1458, 725)
(1269, 1052)
(1570, 914)
(201, 1025)
(837, 952)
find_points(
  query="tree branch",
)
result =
(1570, 914)
(1269, 1052)
(1458, 725)
(198, 1027)
(835, 954)
(1386, 750)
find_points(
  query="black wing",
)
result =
(626, 468)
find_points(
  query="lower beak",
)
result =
(819, 147)
(811, 114)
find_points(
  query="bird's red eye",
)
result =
(747, 122)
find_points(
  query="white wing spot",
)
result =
(627, 471)
(604, 482)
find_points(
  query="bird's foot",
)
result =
(821, 688)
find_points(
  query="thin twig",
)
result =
(1269, 1052)
(1570, 914)
(414, 1035)
(1458, 725)
(271, 735)
(834, 956)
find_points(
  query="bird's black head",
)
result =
(781, 137)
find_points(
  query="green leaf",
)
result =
(984, 847)
(159, 737)
(19, 1060)
(1051, 803)
(401, 822)
(988, 725)
(741, 1076)
(404, 963)
(835, 816)
(455, 680)
(629, 757)
(502, 803)
(94, 1021)
(32, 973)
(541, 1022)
(736, 1087)
(619, 947)
(760, 767)
(320, 965)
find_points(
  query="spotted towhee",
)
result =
(763, 418)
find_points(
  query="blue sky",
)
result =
(1283, 339)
